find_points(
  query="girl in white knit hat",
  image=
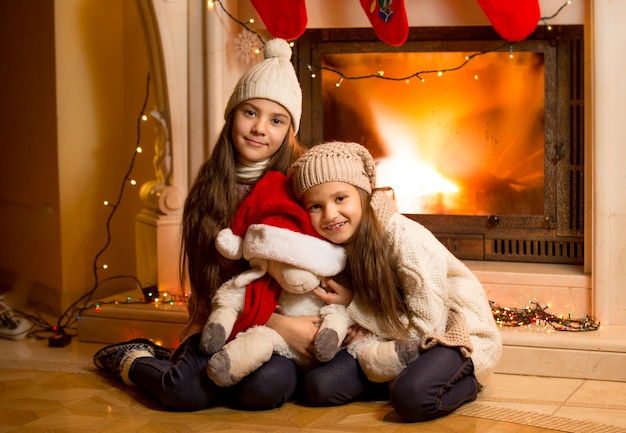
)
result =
(405, 287)
(262, 118)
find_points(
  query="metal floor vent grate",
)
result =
(539, 420)
(556, 250)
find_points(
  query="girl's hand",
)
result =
(298, 332)
(335, 293)
(355, 332)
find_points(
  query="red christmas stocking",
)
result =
(285, 19)
(514, 20)
(388, 19)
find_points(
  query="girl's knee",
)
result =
(318, 390)
(424, 403)
(270, 386)
(413, 403)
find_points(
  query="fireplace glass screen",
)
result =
(463, 142)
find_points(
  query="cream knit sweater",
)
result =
(437, 285)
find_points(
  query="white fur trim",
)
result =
(307, 252)
(229, 244)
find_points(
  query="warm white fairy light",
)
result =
(68, 318)
(545, 19)
(380, 74)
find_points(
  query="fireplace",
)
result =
(493, 179)
(192, 88)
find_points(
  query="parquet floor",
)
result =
(58, 390)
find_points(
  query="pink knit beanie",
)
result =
(334, 161)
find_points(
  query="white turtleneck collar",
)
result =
(250, 172)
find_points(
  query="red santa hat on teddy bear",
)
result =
(270, 224)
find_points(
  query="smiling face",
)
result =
(259, 128)
(335, 210)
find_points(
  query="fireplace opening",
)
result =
(488, 156)
(467, 142)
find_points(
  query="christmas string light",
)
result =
(544, 20)
(41, 328)
(380, 74)
(72, 313)
(536, 316)
(241, 23)
(65, 323)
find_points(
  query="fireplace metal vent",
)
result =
(545, 250)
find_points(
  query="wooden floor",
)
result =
(58, 390)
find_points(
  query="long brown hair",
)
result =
(374, 275)
(210, 206)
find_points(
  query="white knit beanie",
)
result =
(334, 161)
(273, 79)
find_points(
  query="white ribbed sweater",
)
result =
(435, 282)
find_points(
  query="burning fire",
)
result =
(469, 142)
(417, 187)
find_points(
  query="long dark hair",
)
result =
(373, 273)
(210, 206)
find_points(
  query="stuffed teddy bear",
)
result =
(288, 259)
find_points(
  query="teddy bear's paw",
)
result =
(213, 338)
(218, 369)
(407, 350)
(326, 344)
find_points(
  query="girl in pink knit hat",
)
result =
(262, 118)
(413, 297)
